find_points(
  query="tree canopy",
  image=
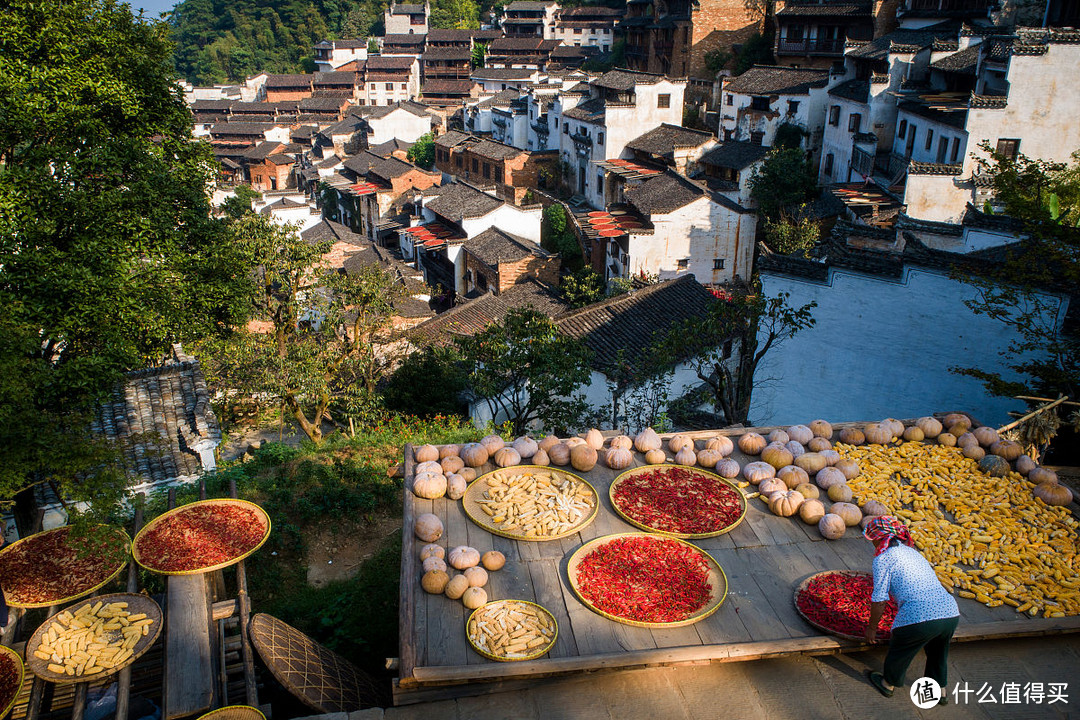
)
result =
(786, 178)
(422, 153)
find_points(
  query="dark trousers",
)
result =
(905, 643)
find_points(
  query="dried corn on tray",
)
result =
(989, 539)
(511, 630)
(528, 502)
(94, 639)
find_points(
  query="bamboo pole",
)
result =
(1039, 399)
(1033, 413)
(123, 682)
(243, 601)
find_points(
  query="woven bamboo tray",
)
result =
(471, 503)
(684, 536)
(234, 712)
(717, 579)
(147, 563)
(136, 604)
(9, 692)
(806, 582)
(317, 676)
(539, 652)
(55, 565)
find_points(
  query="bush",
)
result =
(788, 236)
(429, 382)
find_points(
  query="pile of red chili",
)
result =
(200, 536)
(841, 603)
(47, 567)
(678, 500)
(648, 579)
(9, 679)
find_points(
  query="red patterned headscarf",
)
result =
(881, 530)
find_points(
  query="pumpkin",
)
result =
(771, 485)
(559, 454)
(429, 466)
(800, 434)
(477, 576)
(655, 456)
(574, 442)
(428, 527)
(852, 436)
(1007, 449)
(727, 468)
(809, 491)
(618, 458)
(583, 458)
(755, 472)
(426, 453)
(1053, 494)
(493, 443)
(986, 435)
(677, 442)
(493, 560)
(914, 434)
(455, 486)
(874, 508)
(547, 443)
(686, 456)
(722, 444)
(865, 521)
(878, 434)
(1040, 475)
(446, 451)
(793, 476)
(429, 485)
(456, 587)
(827, 477)
(811, 511)
(946, 439)
(849, 512)
(432, 550)
(954, 418)
(540, 458)
(463, 557)
(435, 581)
(525, 446)
(752, 444)
(594, 439)
(817, 444)
(475, 455)
(451, 464)
(975, 452)
(507, 457)
(840, 492)
(831, 526)
(786, 504)
(777, 455)
(796, 449)
(959, 429)
(709, 458)
(831, 456)
(434, 563)
(1024, 464)
(967, 440)
(821, 429)
(777, 436)
(894, 426)
(930, 426)
(622, 441)
(647, 440)
(468, 473)
(811, 462)
(474, 597)
(850, 468)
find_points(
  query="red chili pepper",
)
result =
(200, 536)
(48, 567)
(9, 679)
(678, 500)
(841, 603)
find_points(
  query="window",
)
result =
(1008, 148)
(729, 99)
(475, 165)
(854, 122)
(404, 86)
(577, 31)
(481, 282)
(372, 87)
(792, 107)
(929, 138)
(903, 129)
(718, 264)
(487, 170)
(829, 165)
(759, 102)
(834, 115)
(794, 33)
(757, 137)
(390, 87)
(684, 263)
(942, 149)
(599, 138)
(955, 149)
(458, 161)
(565, 129)
(663, 100)
(729, 135)
(727, 349)
(600, 183)
(556, 120)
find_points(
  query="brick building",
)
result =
(497, 260)
(273, 172)
(812, 33)
(514, 172)
(403, 44)
(526, 18)
(288, 87)
(586, 26)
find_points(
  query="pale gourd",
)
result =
(752, 444)
(429, 466)
(507, 457)
(777, 436)
(456, 587)
(810, 462)
(1007, 449)
(811, 511)
(493, 443)
(959, 429)
(446, 451)
(618, 458)
(831, 526)
(975, 452)
(428, 527)
(894, 426)
(435, 581)
(986, 435)
(956, 418)
(647, 440)
(852, 436)
(809, 491)
(722, 444)
(793, 476)
(800, 434)
(573, 442)
(594, 439)
(877, 434)
(930, 426)
(776, 455)
(968, 439)
(434, 563)
(429, 485)
(727, 468)
(849, 468)
(875, 508)
(432, 550)
(583, 458)
(547, 443)
(708, 458)
(1040, 475)
(840, 492)
(827, 477)
(540, 458)
(655, 456)
(475, 455)
(755, 472)
(821, 429)
(677, 442)
(1053, 494)
(796, 449)
(686, 456)
(622, 441)
(849, 512)
(525, 446)
(474, 597)
(831, 456)
(468, 473)
(426, 453)
(786, 504)
(493, 560)
(451, 464)
(946, 439)
(771, 485)
(559, 454)
(455, 486)
(1024, 465)
(463, 557)
(913, 434)
(477, 576)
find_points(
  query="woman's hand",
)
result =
(877, 609)
(871, 634)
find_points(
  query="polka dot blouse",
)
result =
(904, 573)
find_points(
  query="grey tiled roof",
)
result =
(400, 9)
(663, 140)
(857, 90)
(388, 147)
(925, 168)
(776, 80)
(447, 87)
(330, 231)
(476, 315)
(625, 79)
(460, 200)
(664, 194)
(494, 246)
(963, 62)
(735, 155)
(446, 53)
(403, 39)
(589, 111)
(288, 81)
(828, 9)
(905, 41)
(496, 150)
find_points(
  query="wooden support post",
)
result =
(243, 601)
(123, 681)
(406, 611)
(37, 688)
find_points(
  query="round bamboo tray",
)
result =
(683, 536)
(12, 693)
(475, 493)
(136, 604)
(234, 712)
(806, 582)
(717, 579)
(57, 568)
(264, 519)
(540, 652)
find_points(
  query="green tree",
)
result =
(527, 371)
(791, 234)
(479, 52)
(107, 243)
(582, 288)
(784, 179)
(372, 46)
(428, 382)
(557, 236)
(757, 50)
(455, 14)
(422, 153)
(238, 205)
(789, 135)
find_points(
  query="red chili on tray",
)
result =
(9, 679)
(678, 500)
(841, 603)
(645, 579)
(47, 567)
(200, 536)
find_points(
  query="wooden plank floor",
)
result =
(764, 559)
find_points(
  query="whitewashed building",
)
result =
(406, 19)
(332, 54)
(754, 105)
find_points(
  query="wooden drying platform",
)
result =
(765, 558)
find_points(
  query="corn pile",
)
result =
(989, 539)
(511, 629)
(95, 638)
(536, 503)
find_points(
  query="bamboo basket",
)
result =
(12, 656)
(540, 652)
(234, 712)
